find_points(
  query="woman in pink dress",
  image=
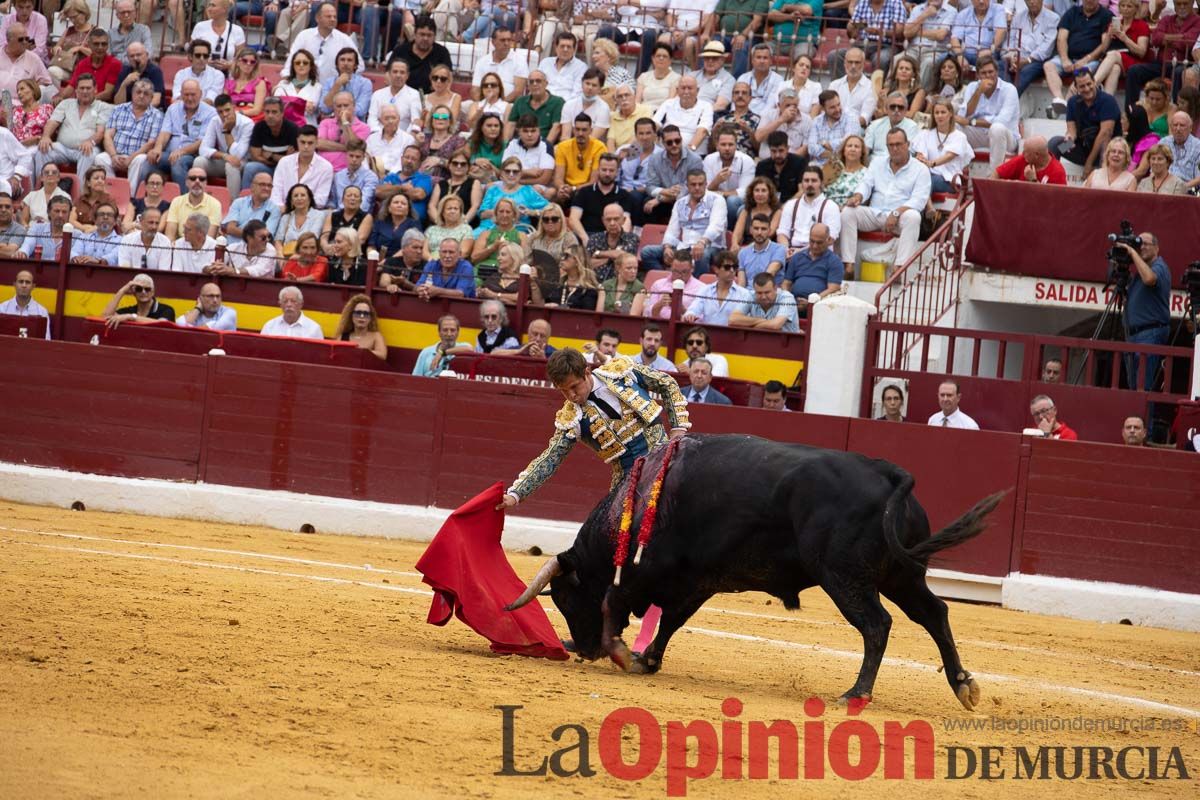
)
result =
(29, 115)
(246, 88)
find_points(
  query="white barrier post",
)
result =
(837, 350)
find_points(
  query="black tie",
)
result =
(604, 406)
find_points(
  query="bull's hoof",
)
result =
(854, 697)
(645, 666)
(967, 691)
(620, 655)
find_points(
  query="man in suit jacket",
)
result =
(701, 390)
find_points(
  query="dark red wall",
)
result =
(1078, 510)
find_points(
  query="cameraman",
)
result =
(1147, 308)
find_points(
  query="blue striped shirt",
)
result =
(131, 133)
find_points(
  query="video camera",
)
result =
(1119, 258)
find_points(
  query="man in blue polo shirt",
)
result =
(761, 255)
(1093, 119)
(417, 186)
(448, 276)
(99, 246)
(1081, 42)
(814, 269)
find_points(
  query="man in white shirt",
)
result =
(22, 303)
(304, 166)
(253, 257)
(855, 89)
(324, 41)
(588, 101)
(811, 206)
(764, 82)
(292, 322)
(211, 79)
(398, 94)
(927, 34)
(877, 131)
(729, 172)
(564, 72)
(513, 71)
(195, 250)
(718, 300)
(785, 116)
(951, 416)
(386, 146)
(715, 82)
(209, 312)
(693, 116)
(990, 112)
(226, 144)
(1031, 39)
(698, 224)
(145, 247)
(528, 147)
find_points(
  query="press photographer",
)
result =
(1147, 281)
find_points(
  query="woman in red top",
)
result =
(246, 88)
(308, 265)
(1130, 45)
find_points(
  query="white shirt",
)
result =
(933, 146)
(131, 250)
(33, 309)
(567, 82)
(389, 153)
(706, 220)
(538, 157)
(407, 101)
(797, 130)
(762, 93)
(14, 160)
(713, 311)
(214, 137)
(598, 110)
(806, 96)
(640, 17)
(302, 328)
(689, 120)
(326, 56)
(860, 101)
(741, 171)
(186, 259)
(876, 134)
(1003, 107)
(509, 70)
(720, 367)
(799, 215)
(688, 13)
(1036, 39)
(230, 39)
(956, 420)
(212, 83)
(318, 177)
(259, 266)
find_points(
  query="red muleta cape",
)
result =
(473, 580)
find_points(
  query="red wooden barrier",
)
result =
(15, 325)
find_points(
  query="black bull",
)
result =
(739, 513)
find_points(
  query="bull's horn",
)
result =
(549, 570)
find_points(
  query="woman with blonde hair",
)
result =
(491, 101)
(849, 169)
(505, 283)
(578, 288)
(503, 229)
(443, 94)
(904, 77)
(452, 226)
(1161, 180)
(606, 57)
(246, 88)
(29, 116)
(1114, 172)
(360, 324)
(552, 237)
(347, 264)
(69, 49)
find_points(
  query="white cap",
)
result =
(526, 269)
(221, 241)
(216, 351)
(678, 284)
(372, 254)
(69, 228)
(814, 298)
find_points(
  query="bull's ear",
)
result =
(569, 561)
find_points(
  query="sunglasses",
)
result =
(895, 107)
(199, 178)
(491, 86)
(201, 55)
(301, 62)
(512, 172)
(440, 78)
(551, 219)
(361, 313)
(248, 60)
(699, 342)
(491, 316)
(670, 142)
(141, 289)
(441, 116)
(458, 163)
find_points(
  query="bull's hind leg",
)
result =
(923, 607)
(859, 604)
(673, 618)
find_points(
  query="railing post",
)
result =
(673, 323)
(518, 317)
(372, 261)
(64, 258)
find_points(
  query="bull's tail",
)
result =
(968, 526)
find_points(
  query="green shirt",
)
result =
(735, 15)
(548, 114)
(811, 28)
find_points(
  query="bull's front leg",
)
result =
(674, 616)
(616, 618)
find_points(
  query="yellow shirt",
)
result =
(578, 167)
(620, 129)
(181, 208)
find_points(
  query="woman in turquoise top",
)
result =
(487, 147)
(791, 34)
(510, 187)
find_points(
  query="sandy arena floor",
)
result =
(144, 657)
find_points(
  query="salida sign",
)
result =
(1070, 293)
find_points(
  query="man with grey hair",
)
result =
(896, 105)
(179, 140)
(75, 130)
(401, 270)
(18, 61)
(145, 308)
(495, 333)
(700, 388)
(449, 276)
(292, 322)
(195, 250)
(127, 31)
(693, 116)
(785, 116)
(1045, 417)
(436, 357)
(131, 132)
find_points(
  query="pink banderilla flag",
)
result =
(473, 581)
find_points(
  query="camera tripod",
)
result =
(1115, 308)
